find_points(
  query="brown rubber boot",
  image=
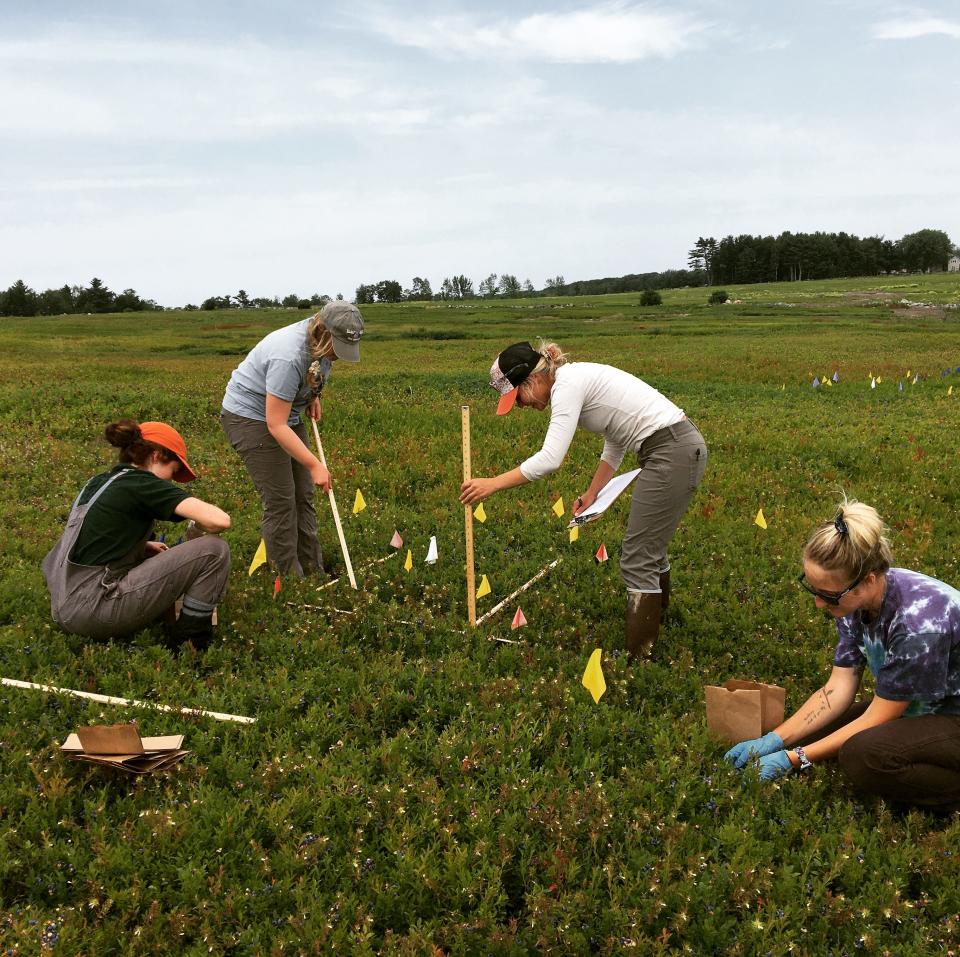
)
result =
(665, 590)
(643, 623)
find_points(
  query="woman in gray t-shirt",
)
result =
(281, 379)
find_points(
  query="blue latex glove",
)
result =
(773, 766)
(741, 753)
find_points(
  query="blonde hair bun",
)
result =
(853, 542)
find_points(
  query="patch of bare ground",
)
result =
(920, 311)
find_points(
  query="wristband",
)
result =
(805, 762)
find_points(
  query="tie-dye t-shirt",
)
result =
(912, 647)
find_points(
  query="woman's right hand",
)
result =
(740, 754)
(320, 477)
(583, 502)
(476, 490)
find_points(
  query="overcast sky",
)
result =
(187, 149)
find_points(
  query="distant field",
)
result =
(410, 788)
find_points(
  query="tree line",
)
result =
(796, 256)
(508, 286)
(455, 287)
(243, 301)
(21, 300)
(734, 259)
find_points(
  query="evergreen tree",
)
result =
(96, 297)
(18, 300)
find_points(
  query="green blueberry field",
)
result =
(413, 786)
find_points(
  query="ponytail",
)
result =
(552, 358)
(319, 339)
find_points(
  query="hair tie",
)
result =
(840, 525)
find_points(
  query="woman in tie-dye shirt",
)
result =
(903, 744)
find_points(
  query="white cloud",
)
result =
(615, 32)
(72, 82)
(911, 29)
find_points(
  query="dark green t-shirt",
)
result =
(124, 514)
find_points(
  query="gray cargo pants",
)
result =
(101, 602)
(289, 523)
(673, 461)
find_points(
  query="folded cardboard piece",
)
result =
(120, 746)
(739, 710)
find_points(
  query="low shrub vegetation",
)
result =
(414, 786)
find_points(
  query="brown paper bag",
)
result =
(740, 710)
(111, 739)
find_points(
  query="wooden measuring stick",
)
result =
(543, 571)
(333, 507)
(468, 518)
(129, 702)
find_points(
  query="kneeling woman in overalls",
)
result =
(107, 577)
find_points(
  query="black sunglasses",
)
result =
(830, 597)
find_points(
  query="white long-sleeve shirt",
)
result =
(607, 401)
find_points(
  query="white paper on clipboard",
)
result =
(608, 495)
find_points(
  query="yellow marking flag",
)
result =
(484, 588)
(593, 679)
(558, 508)
(358, 503)
(408, 564)
(479, 514)
(259, 557)
(760, 520)
(574, 533)
(950, 391)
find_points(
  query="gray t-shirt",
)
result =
(276, 365)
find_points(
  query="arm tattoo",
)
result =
(815, 710)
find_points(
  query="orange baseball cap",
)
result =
(170, 439)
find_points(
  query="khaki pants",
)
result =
(289, 523)
(673, 461)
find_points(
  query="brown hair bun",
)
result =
(123, 433)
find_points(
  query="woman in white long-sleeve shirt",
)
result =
(632, 417)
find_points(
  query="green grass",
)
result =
(414, 788)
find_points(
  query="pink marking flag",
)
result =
(518, 620)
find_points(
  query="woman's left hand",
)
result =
(314, 410)
(476, 490)
(153, 548)
(776, 765)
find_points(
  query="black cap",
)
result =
(511, 367)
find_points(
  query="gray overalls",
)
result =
(104, 601)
